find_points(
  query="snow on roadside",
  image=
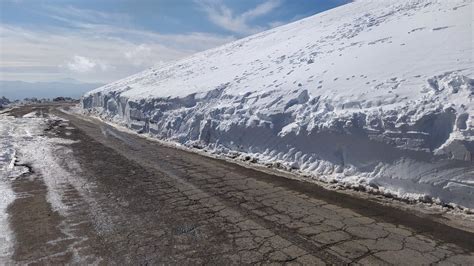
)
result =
(377, 94)
(33, 148)
(23, 142)
(6, 236)
(8, 171)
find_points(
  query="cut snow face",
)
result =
(372, 93)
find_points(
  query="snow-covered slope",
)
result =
(376, 93)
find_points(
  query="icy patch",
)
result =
(6, 235)
(39, 153)
(30, 115)
(8, 171)
(23, 142)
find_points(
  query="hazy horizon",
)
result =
(103, 41)
(18, 90)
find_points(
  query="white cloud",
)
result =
(92, 46)
(83, 64)
(74, 15)
(224, 17)
(275, 24)
(111, 52)
(140, 56)
(262, 9)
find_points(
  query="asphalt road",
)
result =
(140, 202)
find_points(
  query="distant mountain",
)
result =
(67, 88)
(4, 101)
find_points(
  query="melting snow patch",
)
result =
(22, 142)
(8, 172)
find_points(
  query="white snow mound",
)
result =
(372, 93)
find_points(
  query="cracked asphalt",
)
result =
(144, 203)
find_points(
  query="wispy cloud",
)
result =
(102, 41)
(76, 15)
(83, 64)
(91, 46)
(225, 17)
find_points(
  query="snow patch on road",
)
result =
(31, 147)
(23, 142)
(8, 172)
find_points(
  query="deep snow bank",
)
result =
(377, 93)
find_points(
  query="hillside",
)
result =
(375, 94)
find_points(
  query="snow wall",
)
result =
(407, 134)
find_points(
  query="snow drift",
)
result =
(373, 93)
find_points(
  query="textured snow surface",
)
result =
(372, 93)
(18, 138)
(7, 171)
(23, 142)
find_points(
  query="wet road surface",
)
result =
(139, 202)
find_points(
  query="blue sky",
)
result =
(104, 40)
